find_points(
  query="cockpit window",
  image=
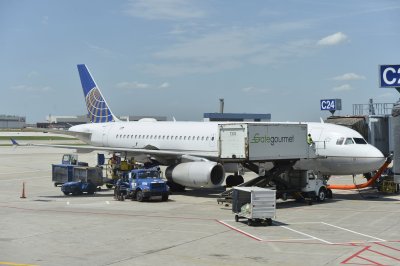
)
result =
(349, 141)
(340, 141)
(359, 141)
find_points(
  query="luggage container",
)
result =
(92, 174)
(254, 204)
(62, 173)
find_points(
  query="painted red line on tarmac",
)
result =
(387, 246)
(110, 214)
(374, 262)
(239, 231)
(384, 255)
(355, 254)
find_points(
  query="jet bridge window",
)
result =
(340, 141)
(349, 141)
(359, 141)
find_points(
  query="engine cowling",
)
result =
(196, 174)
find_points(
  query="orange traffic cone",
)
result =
(23, 191)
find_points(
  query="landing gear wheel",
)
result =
(239, 180)
(230, 181)
(139, 196)
(321, 194)
(236, 218)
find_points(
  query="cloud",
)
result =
(140, 86)
(27, 88)
(388, 95)
(102, 51)
(132, 85)
(164, 85)
(164, 9)
(345, 87)
(33, 74)
(255, 90)
(230, 49)
(333, 39)
(348, 76)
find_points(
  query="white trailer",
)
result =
(259, 142)
(254, 203)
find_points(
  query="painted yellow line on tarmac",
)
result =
(15, 264)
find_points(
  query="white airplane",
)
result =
(190, 149)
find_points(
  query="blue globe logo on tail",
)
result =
(97, 107)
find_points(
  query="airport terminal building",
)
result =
(12, 121)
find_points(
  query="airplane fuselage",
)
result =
(196, 137)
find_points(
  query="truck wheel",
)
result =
(249, 222)
(164, 197)
(66, 193)
(109, 186)
(321, 194)
(139, 196)
(236, 218)
(269, 221)
(329, 193)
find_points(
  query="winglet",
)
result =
(14, 142)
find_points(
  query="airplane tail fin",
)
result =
(97, 107)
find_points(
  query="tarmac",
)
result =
(48, 228)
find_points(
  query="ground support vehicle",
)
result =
(141, 185)
(245, 143)
(288, 183)
(76, 177)
(78, 188)
(257, 205)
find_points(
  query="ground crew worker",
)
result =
(310, 140)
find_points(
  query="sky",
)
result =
(176, 58)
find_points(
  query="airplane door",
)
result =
(213, 141)
(105, 132)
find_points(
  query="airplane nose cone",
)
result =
(375, 156)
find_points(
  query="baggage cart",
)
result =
(257, 205)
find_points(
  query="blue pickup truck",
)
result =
(141, 185)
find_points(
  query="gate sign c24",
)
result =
(330, 105)
(389, 76)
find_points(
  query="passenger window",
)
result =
(359, 141)
(202, 138)
(349, 141)
(340, 141)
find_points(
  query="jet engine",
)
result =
(196, 174)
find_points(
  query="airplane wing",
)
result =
(150, 151)
(80, 135)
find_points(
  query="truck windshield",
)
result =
(148, 174)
